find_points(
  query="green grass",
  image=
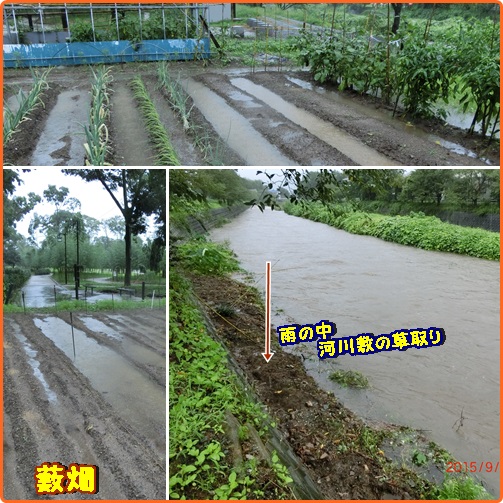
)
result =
(203, 391)
(462, 488)
(82, 305)
(349, 378)
(27, 104)
(204, 257)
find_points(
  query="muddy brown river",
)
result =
(367, 285)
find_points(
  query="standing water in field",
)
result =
(366, 285)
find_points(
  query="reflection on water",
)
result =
(364, 284)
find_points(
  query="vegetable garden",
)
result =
(251, 104)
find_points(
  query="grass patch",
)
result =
(204, 257)
(462, 488)
(349, 378)
(203, 392)
(81, 306)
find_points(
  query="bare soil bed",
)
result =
(285, 110)
(60, 410)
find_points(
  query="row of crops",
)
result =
(26, 104)
(420, 68)
(97, 142)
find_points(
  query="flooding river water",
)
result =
(364, 285)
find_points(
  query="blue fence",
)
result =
(84, 53)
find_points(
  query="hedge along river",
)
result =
(366, 285)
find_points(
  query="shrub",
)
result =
(205, 257)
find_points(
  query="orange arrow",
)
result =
(267, 355)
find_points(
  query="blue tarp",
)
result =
(84, 53)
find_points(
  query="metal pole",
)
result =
(41, 21)
(66, 264)
(117, 22)
(76, 278)
(15, 25)
(68, 22)
(73, 336)
(55, 299)
(6, 21)
(24, 304)
(94, 35)
(78, 254)
(163, 22)
(139, 15)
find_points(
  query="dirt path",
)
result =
(57, 409)
(131, 144)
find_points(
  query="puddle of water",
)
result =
(34, 363)
(247, 100)
(234, 129)
(140, 353)
(324, 130)
(300, 83)
(98, 326)
(39, 291)
(64, 130)
(131, 393)
(387, 118)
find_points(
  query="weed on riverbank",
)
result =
(428, 233)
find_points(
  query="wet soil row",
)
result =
(258, 118)
(53, 413)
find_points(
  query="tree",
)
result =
(141, 194)
(473, 185)
(324, 187)
(427, 185)
(14, 209)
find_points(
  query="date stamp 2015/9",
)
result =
(472, 467)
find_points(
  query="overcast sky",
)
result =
(95, 201)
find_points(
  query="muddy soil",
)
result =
(259, 118)
(57, 409)
(325, 436)
(19, 149)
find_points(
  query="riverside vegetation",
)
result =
(418, 230)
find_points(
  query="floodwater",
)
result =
(324, 130)
(39, 291)
(128, 390)
(366, 285)
(234, 129)
(63, 138)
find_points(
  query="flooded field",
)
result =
(367, 285)
(87, 389)
(239, 116)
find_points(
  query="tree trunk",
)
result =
(127, 272)
(397, 7)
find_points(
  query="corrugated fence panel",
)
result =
(84, 53)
